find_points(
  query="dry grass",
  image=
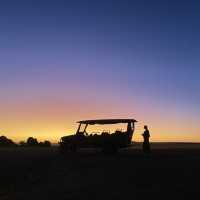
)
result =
(42, 173)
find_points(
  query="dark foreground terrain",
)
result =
(172, 171)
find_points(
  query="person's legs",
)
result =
(146, 147)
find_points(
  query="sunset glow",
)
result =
(59, 66)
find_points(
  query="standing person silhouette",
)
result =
(146, 144)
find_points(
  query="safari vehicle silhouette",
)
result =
(109, 143)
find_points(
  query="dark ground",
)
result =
(170, 172)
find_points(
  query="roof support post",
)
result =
(130, 129)
(78, 128)
(85, 128)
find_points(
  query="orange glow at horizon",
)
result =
(52, 120)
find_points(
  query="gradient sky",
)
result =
(66, 60)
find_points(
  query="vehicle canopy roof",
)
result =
(106, 121)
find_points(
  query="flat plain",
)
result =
(171, 171)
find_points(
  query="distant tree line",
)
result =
(30, 142)
(5, 142)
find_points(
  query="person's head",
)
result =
(146, 127)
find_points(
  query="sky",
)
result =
(66, 60)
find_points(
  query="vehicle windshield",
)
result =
(82, 128)
(108, 128)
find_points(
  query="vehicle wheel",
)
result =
(73, 148)
(110, 149)
(64, 148)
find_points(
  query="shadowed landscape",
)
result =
(170, 171)
(131, 68)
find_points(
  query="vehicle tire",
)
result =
(64, 148)
(73, 148)
(110, 149)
